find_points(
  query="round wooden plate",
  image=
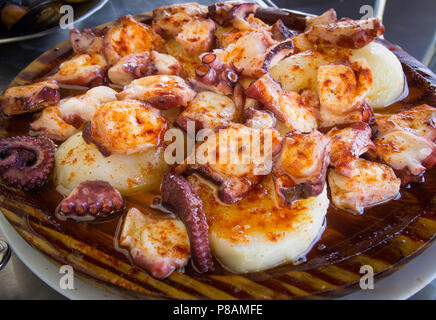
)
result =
(384, 237)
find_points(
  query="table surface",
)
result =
(409, 23)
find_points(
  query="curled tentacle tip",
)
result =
(26, 162)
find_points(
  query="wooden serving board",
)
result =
(385, 237)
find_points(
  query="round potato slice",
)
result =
(255, 234)
(76, 162)
(388, 76)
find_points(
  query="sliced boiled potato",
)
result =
(76, 162)
(255, 234)
(388, 76)
(300, 70)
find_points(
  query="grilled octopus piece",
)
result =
(248, 52)
(342, 89)
(219, 11)
(157, 243)
(346, 33)
(255, 52)
(236, 158)
(22, 99)
(233, 13)
(300, 169)
(87, 41)
(208, 110)
(161, 91)
(168, 21)
(239, 12)
(369, 184)
(407, 153)
(179, 194)
(348, 144)
(326, 18)
(259, 119)
(138, 65)
(50, 123)
(420, 120)
(277, 53)
(281, 32)
(197, 36)
(84, 69)
(91, 200)
(129, 36)
(26, 162)
(125, 127)
(288, 107)
(79, 109)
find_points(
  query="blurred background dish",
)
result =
(28, 19)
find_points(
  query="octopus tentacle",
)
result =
(26, 162)
(239, 12)
(91, 200)
(281, 32)
(178, 193)
(214, 75)
(277, 53)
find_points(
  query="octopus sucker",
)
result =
(179, 194)
(26, 162)
(214, 75)
(91, 200)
